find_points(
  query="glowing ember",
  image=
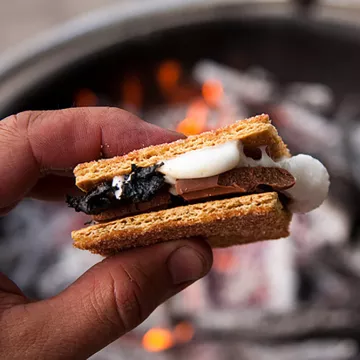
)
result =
(157, 339)
(224, 260)
(190, 126)
(132, 92)
(212, 91)
(183, 332)
(196, 119)
(168, 75)
(84, 98)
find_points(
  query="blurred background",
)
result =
(192, 66)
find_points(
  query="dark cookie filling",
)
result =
(140, 185)
(144, 189)
(95, 201)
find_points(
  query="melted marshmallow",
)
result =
(308, 193)
(202, 163)
(312, 182)
(118, 182)
(264, 161)
(211, 161)
(312, 179)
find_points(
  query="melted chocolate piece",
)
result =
(249, 178)
(144, 190)
(240, 180)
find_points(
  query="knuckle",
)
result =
(9, 130)
(122, 299)
(115, 301)
(104, 314)
(23, 119)
(128, 295)
(15, 125)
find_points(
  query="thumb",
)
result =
(110, 299)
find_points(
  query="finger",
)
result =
(33, 144)
(110, 299)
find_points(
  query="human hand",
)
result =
(38, 151)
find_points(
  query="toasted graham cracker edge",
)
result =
(108, 215)
(224, 222)
(255, 131)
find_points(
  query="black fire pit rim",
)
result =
(85, 36)
(129, 17)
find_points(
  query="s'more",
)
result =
(234, 185)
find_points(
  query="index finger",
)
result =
(34, 144)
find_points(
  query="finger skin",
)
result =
(35, 144)
(106, 302)
(38, 151)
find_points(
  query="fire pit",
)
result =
(194, 67)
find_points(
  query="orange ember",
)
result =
(190, 126)
(196, 119)
(183, 332)
(168, 74)
(157, 339)
(132, 91)
(224, 260)
(84, 98)
(212, 91)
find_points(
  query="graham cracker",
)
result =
(224, 223)
(255, 131)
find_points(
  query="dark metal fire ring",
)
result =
(29, 64)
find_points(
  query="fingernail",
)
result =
(186, 264)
